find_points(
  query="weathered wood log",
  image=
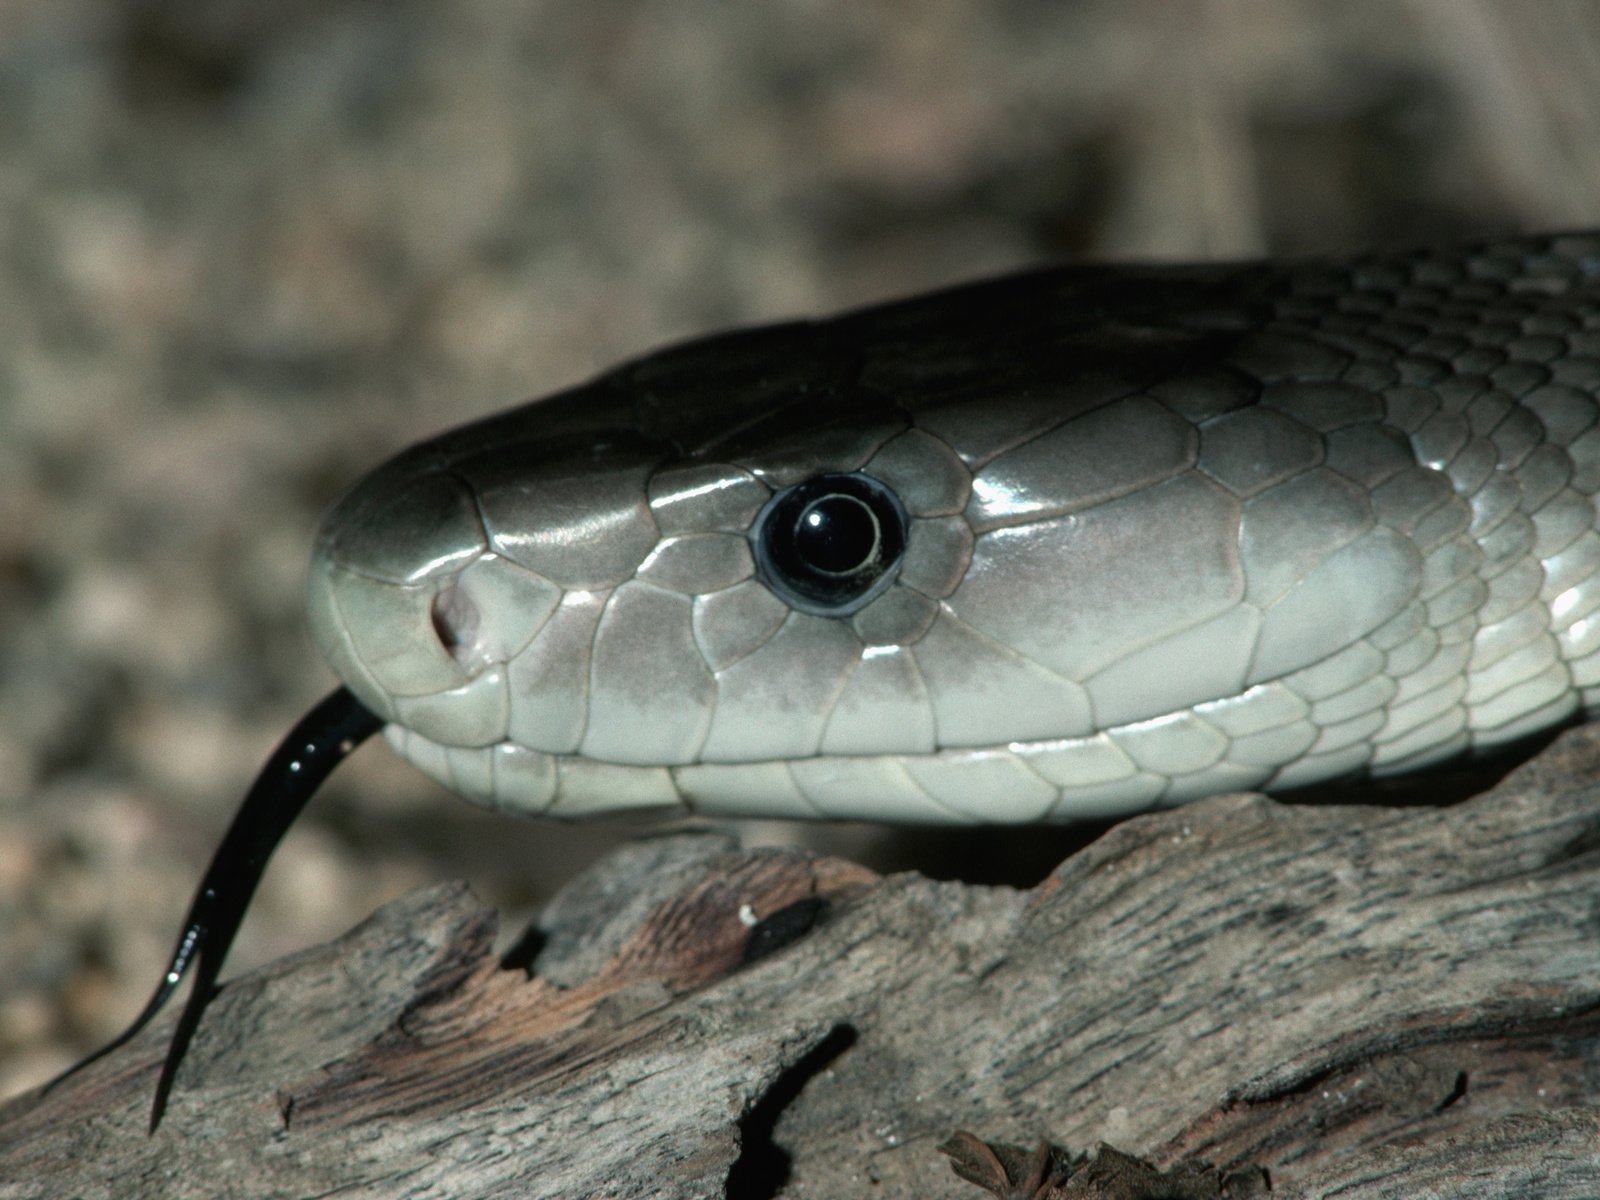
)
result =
(1357, 1001)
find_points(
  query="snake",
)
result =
(1069, 544)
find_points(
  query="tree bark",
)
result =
(1351, 1001)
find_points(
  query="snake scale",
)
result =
(1074, 543)
(1166, 532)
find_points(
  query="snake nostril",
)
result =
(455, 621)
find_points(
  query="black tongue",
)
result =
(310, 752)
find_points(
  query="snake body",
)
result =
(1168, 531)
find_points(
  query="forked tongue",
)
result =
(310, 752)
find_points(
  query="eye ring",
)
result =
(830, 544)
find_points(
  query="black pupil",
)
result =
(836, 534)
(828, 545)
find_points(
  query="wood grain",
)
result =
(1358, 1001)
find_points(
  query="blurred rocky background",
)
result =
(249, 248)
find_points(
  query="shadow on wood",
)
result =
(1369, 1001)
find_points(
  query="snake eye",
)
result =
(830, 544)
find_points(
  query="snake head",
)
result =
(1061, 546)
(582, 602)
(863, 568)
